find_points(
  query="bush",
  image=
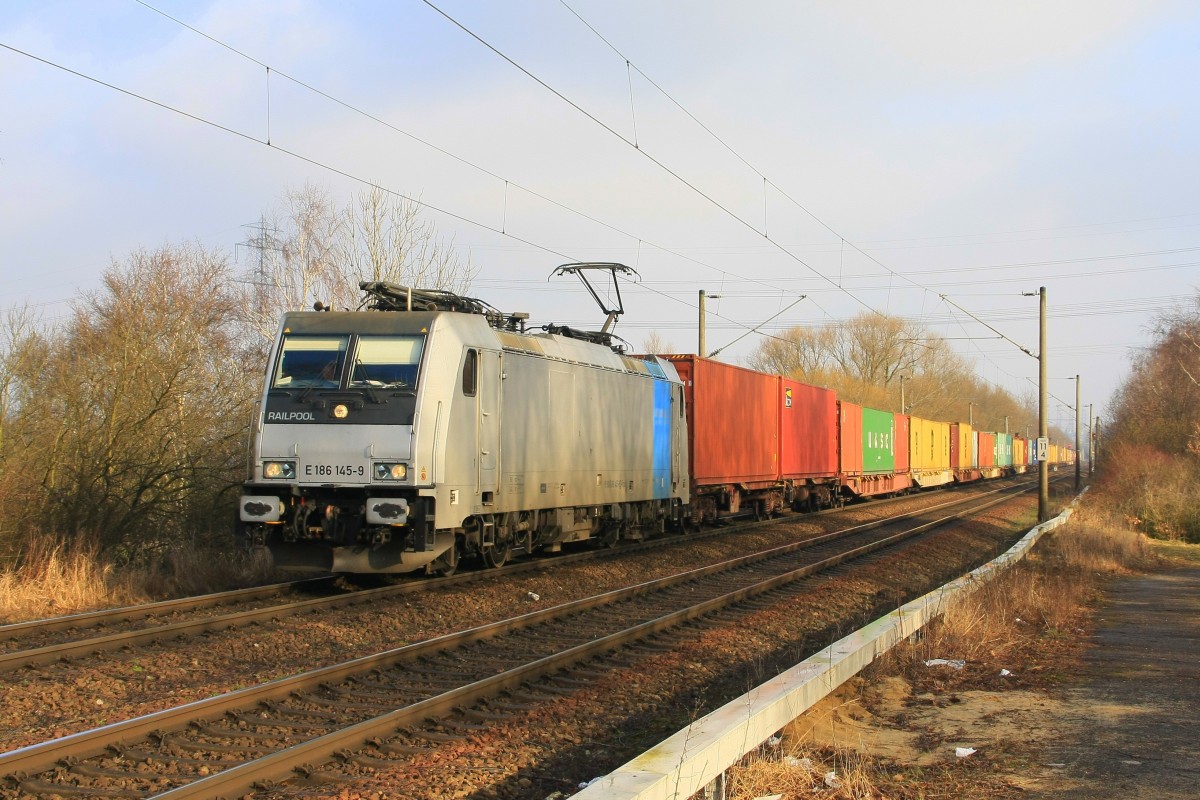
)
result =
(56, 575)
(53, 575)
(1154, 491)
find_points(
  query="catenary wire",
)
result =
(766, 180)
(610, 130)
(449, 154)
(697, 190)
(328, 167)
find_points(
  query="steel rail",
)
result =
(91, 619)
(43, 756)
(63, 651)
(269, 769)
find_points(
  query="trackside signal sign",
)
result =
(1043, 448)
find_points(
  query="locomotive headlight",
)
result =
(390, 472)
(279, 470)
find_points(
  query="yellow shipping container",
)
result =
(966, 448)
(1061, 454)
(929, 445)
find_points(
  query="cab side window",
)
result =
(470, 374)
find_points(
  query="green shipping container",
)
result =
(879, 441)
(1004, 450)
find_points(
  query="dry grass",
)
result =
(1178, 553)
(807, 772)
(1030, 621)
(193, 571)
(54, 577)
(1047, 596)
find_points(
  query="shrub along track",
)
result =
(424, 678)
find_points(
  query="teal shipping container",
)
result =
(1004, 450)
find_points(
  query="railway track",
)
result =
(25, 637)
(265, 733)
(48, 641)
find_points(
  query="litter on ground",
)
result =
(952, 663)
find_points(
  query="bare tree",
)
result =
(874, 349)
(128, 423)
(939, 383)
(861, 357)
(315, 251)
(1178, 333)
(294, 262)
(20, 348)
(654, 344)
(1159, 405)
(867, 358)
(797, 352)
(1150, 461)
(384, 238)
(135, 417)
(23, 354)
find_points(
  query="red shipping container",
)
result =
(987, 449)
(733, 422)
(902, 443)
(808, 445)
(956, 459)
(850, 438)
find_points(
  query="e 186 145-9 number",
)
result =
(334, 471)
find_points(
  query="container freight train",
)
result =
(760, 443)
(431, 427)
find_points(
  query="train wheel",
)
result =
(497, 555)
(612, 537)
(446, 564)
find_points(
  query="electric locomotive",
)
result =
(430, 426)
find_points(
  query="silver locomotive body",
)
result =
(391, 441)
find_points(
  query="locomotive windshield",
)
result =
(378, 362)
(311, 362)
(386, 362)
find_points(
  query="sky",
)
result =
(934, 161)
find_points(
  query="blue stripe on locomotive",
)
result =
(662, 439)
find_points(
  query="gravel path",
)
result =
(1132, 716)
